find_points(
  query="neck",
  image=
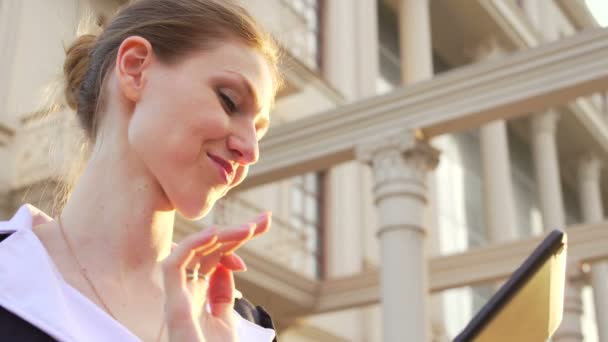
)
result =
(118, 219)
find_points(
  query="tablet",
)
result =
(529, 306)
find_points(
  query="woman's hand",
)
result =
(210, 253)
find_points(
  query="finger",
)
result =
(229, 243)
(233, 262)
(221, 293)
(262, 223)
(209, 256)
(184, 252)
(243, 231)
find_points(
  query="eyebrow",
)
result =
(264, 122)
(251, 92)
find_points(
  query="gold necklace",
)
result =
(83, 271)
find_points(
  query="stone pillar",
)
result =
(417, 65)
(10, 13)
(546, 165)
(415, 41)
(593, 212)
(351, 67)
(400, 164)
(499, 203)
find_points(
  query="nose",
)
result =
(245, 147)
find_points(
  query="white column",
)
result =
(542, 16)
(590, 195)
(417, 65)
(338, 46)
(546, 165)
(415, 41)
(438, 331)
(10, 13)
(532, 11)
(366, 41)
(400, 164)
(351, 66)
(593, 212)
(499, 202)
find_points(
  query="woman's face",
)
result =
(196, 124)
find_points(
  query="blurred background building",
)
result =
(498, 106)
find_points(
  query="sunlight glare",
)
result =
(599, 9)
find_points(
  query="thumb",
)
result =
(221, 293)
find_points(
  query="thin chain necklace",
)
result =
(84, 273)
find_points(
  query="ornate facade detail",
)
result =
(487, 49)
(399, 162)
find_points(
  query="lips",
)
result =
(224, 167)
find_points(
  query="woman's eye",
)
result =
(228, 103)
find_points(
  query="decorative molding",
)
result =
(465, 98)
(371, 149)
(487, 49)
(586, 244)
(399, 163)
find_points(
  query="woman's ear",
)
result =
(132, 60)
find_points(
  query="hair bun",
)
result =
(75, 67)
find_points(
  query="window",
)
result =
(305, 205)
(302, 25)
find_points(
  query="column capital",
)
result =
(486, 49)
(400, 162)
(545, 122)
(589, 167)
(397, 148)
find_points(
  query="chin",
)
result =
(194, 213)
(193, 208)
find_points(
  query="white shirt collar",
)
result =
(32, 288)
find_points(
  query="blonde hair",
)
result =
(174, 28)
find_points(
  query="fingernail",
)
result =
(239, 263)
(248, 226)
(264, 215)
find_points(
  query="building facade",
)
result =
(418, 151)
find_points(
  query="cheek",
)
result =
(240, 176)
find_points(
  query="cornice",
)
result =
(465, 98)
(586, 244)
